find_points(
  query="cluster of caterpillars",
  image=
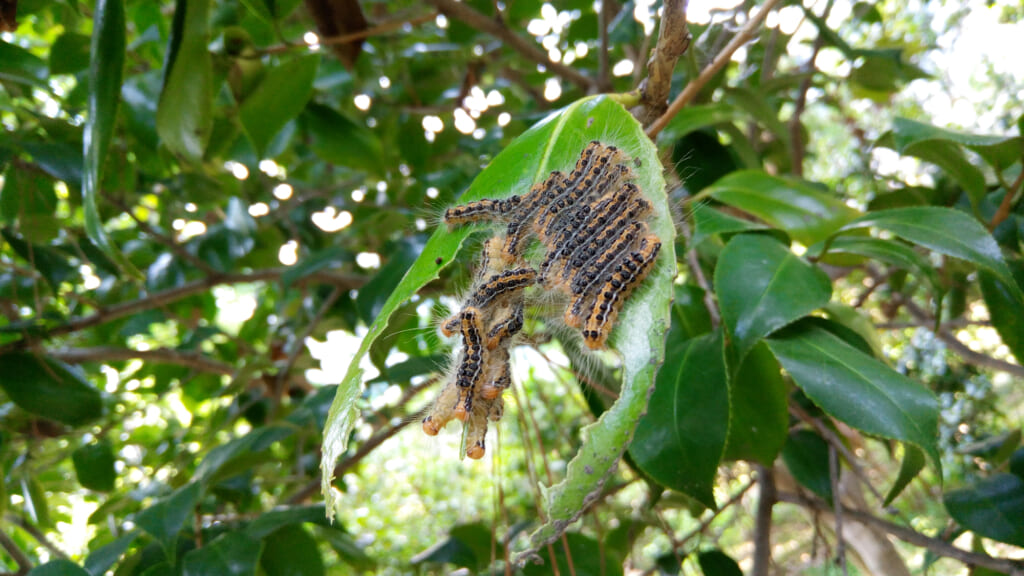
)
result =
(597, 249)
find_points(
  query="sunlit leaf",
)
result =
(184, 116)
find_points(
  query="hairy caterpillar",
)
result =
(597, 249)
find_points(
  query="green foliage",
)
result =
(206, 223)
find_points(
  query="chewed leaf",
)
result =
(552, 144)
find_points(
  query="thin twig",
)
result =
(530, 50)
(709, 72)
(382, 28)
(19, 557)
(795, 132)
(763, 523)
(1003, 212)
(157, 356)
(605, 18)
(293, 357)
(833, 477)
(673, 40)
(834, 440)
(169, 296)
(176, 248)
(939, 547)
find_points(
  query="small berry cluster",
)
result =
(598, 249)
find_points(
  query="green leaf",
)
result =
(999, 151)
(69, 53)
(48, 388)
(291, 551)
(58, 568)
(690, 316)
(679, 442)
(19, 65)
(94, 466)
(105, 70)
(269, 522)
(696, 117)
(278, 99)
(857, 389)
(35, 502)
(164, 519)
(467, 546)
(184, 116)
(709, 222)
(993, 507)
(912, 464)
(852, 319)
(255, 441)
(554, 143)
(54, 267)
(327, 258)
(587, 555)
(718, 563)
(231, 554)
(888, 251)
(803, 211)
(340, 140)
(806, 457)
(950, 157)
(943, 230)
(762, 286)
(101, 559)
(1005, 306)
(261, 8)
(758, 411)
(26, 192)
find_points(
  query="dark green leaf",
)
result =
(58, 568)
(999, 151)
(695, 117)
(25, 193)
(943, 230)
(164, 519)
(278, 99)
(857, 389)
(888, 251)
(690, 316)
(231, 554)
(48, 388)
(255, 441)
(1006, 309)
(19, 65)
(913, 463)
(718, 563)
(347, 549)
(328, 258)
(342, 141)
(679, 442)
(800, 209)
(762, 287)
(69, 53)
(709, 222)
(758, 414)
(467, 546)
(270, 521)
(184, 117)
(1017, 462)
(105, 70)
(101, 559)
(993, 507)
(54, 267)
(806, 457)
(262, 8)
(291, 551)
(94, 465)
(700, 158)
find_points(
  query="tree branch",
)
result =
(19, 557)
(158, 299)
(940, 547)
(709, 72)
(382, 28)
(39, 536)
(673, 40)
(158, 356)
(498, 29)
(1003, 212)
(605, 18)
(763, 523)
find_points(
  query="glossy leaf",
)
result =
(762, 286)
(851, 318)
(94, 466)
(800, 209)
(50, 389)
(184, 116)
(105, 72)
(992, 507)
(709, 222)
(278, 99)
(888, 251)
(679, 442)
(164, 518)
(912, 464)
(857, 389)
(554, 143)
(943, 230)
(806, 457)
(1006, 310)
(231, 554)
(999, 151)
(758, 413)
